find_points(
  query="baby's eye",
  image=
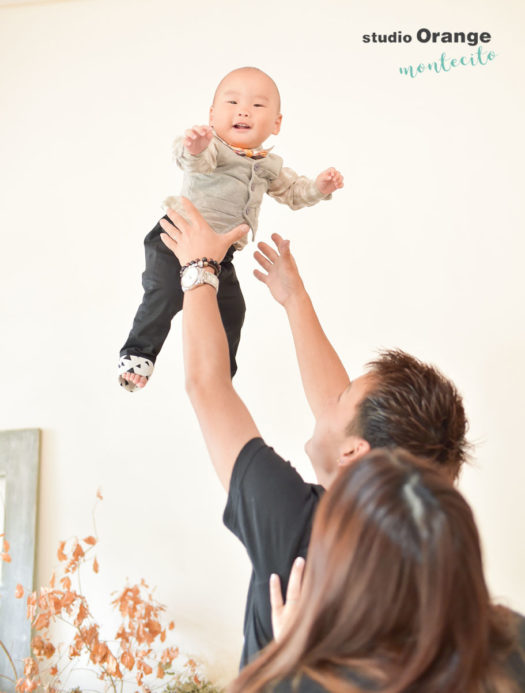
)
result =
(258, 105)
(233, 102)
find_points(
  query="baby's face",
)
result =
(245, 110)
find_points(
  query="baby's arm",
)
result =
(196, 152)
(299, 191)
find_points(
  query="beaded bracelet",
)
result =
(203, 262)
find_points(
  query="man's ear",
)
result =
(210, 119)
(277, 124)
(353, 449)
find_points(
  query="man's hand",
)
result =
(192, 237)
(283, 277)
(329, 181)
(283, 614)
(197, 138)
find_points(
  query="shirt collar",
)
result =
(259, 153)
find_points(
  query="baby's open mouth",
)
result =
(242, 126)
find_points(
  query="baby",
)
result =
(226, 173)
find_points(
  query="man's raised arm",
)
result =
(322, 373)
(225, 421)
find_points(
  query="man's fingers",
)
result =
(191, 211)
(168, 242)
(177, 220)
(170, 229)
(294, 584)
(276, 595)
(264, 262)
(237, 233)
(261, 276)
(268, 251)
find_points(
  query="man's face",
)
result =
(330, 446)
(245, 111)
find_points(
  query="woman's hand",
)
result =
(283, 614)
(283, 278)
(192, 238)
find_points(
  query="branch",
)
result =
(4, 648)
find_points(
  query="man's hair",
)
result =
(413, 406)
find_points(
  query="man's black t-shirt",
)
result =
(270, 509)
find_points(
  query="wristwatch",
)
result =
(194, 276)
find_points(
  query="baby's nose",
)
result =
(243, 111)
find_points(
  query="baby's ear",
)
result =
(277, 125)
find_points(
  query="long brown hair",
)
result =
(393, 590)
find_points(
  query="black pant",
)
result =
(163, 299)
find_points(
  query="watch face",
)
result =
(189, 277)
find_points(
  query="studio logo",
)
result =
(424, 35)
(443, 63)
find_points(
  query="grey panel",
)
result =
(19, 464)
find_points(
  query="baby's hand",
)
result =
(329, 181)
(197, 138)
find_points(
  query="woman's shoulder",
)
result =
(516, 660)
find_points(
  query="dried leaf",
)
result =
(68, 599)
(169, 654)
(52, 581)
(112, 666)
(42, 621)
(163, 636)
(81, 615)
(78, 552)
(30, 667)
(127, 660)
(26, 685)
(90, 540)
(74, 651)
(5, 557)
(171, 625)
(154, 627)
(95, 565)
(160, 672)
(60, 553)
(49, 650)
(6, 546)
(66, 583)
(19, 591)
(53, 671)
(99, 494)
(38, 645)
(146, 668)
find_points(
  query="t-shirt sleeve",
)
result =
(270, 509)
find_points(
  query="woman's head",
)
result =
(394, 585)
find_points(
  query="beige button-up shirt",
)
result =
(228, 188)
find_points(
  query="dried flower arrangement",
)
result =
(135, 659)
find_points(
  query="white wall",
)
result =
(424, 248)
